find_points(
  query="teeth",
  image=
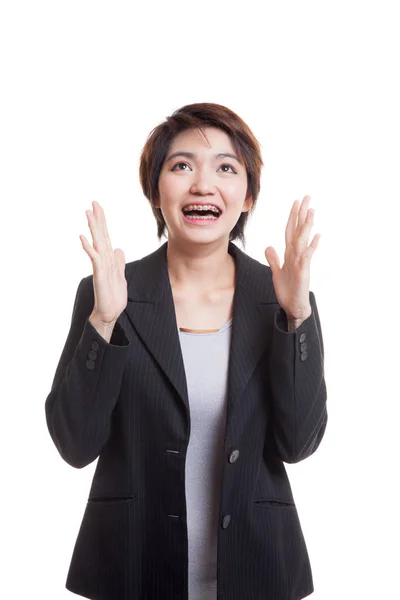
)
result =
(201, 207)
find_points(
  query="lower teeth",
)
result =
(196, 217)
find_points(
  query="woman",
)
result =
(193, 374)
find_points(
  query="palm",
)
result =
(291, 281)
(109, 282)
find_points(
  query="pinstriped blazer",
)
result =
(126, 403)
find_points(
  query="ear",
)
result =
(247, 204)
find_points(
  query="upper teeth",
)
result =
(202, 207)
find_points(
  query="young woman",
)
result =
(193, 374)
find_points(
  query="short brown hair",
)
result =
(197, 116)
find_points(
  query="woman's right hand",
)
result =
(109, 282)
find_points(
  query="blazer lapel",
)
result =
(151, 311)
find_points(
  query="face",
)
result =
(202, 178)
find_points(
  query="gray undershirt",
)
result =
(205, 357)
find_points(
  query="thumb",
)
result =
(272, 258)
(120, 258)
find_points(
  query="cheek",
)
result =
(234, 191)
(169, 186)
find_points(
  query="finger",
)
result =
(272, 258)
(98, 215)
(100, 242)
(88, 248)
(120, 258)
(313, 246)
(303, 212)
(291, 224)
(304, 233)
(94, 230)
(101, 220)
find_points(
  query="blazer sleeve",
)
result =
(86, 384)
(298, 386)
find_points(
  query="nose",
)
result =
(202, 183)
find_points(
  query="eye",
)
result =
(230, 166)
(182, 163)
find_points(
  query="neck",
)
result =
(200, 266)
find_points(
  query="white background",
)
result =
(82, 85)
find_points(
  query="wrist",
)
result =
(96, 320)
(293, 322)
(103, 329)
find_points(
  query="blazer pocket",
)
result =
(110, 499)
(274, 503)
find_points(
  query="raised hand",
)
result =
(109, 282)
(292, 281)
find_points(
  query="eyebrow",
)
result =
(193, 156)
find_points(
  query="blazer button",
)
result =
(92, 355)
(90, 364)
(95, 345)
(226, 521)
(234, 455)
(303, 347)
(303, 356)
(303, 337)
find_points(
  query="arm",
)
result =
(86, 384)
(297, 386)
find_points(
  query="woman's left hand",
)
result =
(292, 281)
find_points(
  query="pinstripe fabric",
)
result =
(127, 403)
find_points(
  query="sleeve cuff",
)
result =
(281, 321)
(118, 337)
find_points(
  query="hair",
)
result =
(197, 116)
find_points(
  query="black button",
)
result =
(303, 347)
(303, 337)
(90, 364)
(92, 354)
(95, 345)
(226, 521)
(234, 455)
(303, 356)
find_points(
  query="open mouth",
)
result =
(208, 214)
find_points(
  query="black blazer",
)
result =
(126, 402)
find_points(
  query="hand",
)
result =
(292, 281)
(109, 282)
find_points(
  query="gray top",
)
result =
(205, 357)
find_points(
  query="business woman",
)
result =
(193, 374)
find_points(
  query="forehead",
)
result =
(194, 138)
